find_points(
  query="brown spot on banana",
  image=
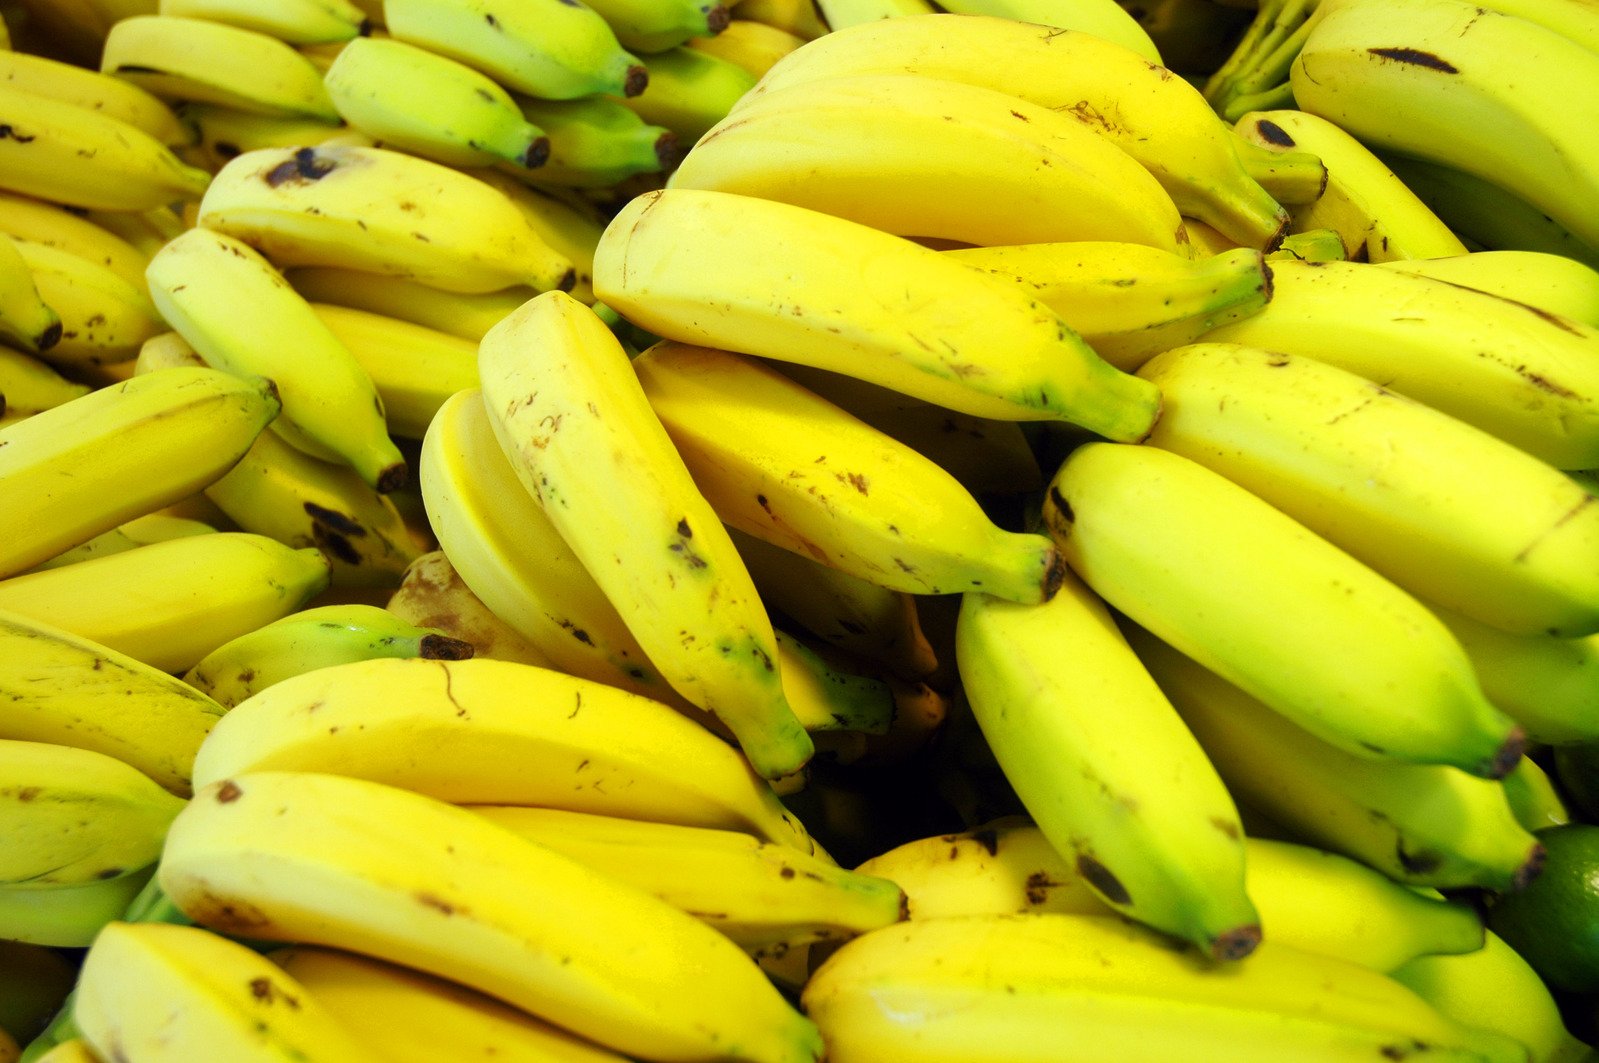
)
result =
(1100, 877)
(1416, 57)
(303, 167)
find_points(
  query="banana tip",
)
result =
(1236, 943)
(635, 80)
(49, 337)
(392, 478)
(537, 153)
(1509, 754)
(444, 648)
(1530, 869)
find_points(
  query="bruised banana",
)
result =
(432, 595)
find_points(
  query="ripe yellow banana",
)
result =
(1157, 118)
(682, 263)
(1130, 301)
(223, 133)
(94, 91)
(745, 42)
(528, 734)
(102, 318)
(29, 385)
(410, 1017)
(581, 436)
(383, 212)
(1443, 509)
(570, 225)
(762, 896)
(140, 531)
(1554, 283)
(69, 917)
(166, 993)
(294, 21)
(42, 222)
(922, 156)
(1101, 18)
(783, 464)
(119, 452)
(25, 319)
(455, 313)
(240, 315)
(1216, 572)
(799, 17)
(1422, 337)
(328, 860)
(1421, 824)
(74, 816)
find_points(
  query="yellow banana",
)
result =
(455, 313)
(294, 21)
(25, 319)
(46, 223)
(94, 91)
(1101, 18)
(30, 385)
(748, 43)
(432, 594)
(223, 133)
(799, 17)
(572, 227)
(102, 318)
(130, 534)
(1554, 283)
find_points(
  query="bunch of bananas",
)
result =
(1032, 531)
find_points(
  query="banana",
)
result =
(47, 223)
(431, 105)
(73, 816)
(239, 313)
(575, 418)
(1161, 845)
(140, 531)
(432, 595)
(842, 14)
(512, 557)
(785, 465)
(159, 992)
(1556, 284)
(121, 451)
(1536, 803)
(633, 757)
(468, 317)
(170, 603)
(863, 619)
(29, 385)
(799, 17)
(1313, 245)
(830, 695)
(595, 142)
(753, 45)
(760, 895)
(313, 638)
(383, 212)
(224, 133)
(1364, 666)
(146, 230)
(410, 1017)
(1378, 217)
(568, 224)
(1129, 301)
(177, 58)
(1100, 18)
(1292, 178)
(327, 860)
(294, 21)
(1421, 824)
(1157, 118)
(68, 917)
(1547, 683)
(102, 318)
(689, 91)
(1444, 510)
(647, 27)
(937, 331)
(920, 156)
(413, 368)
(26, 321)
(545, 48)
(92, 91)
(1539, 388)
(1427, 79)
(1494, 988)
(1076, 988)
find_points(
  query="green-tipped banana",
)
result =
(595, 142)
(689, 91)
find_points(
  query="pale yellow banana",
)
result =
(30, 385)
(130, 534)
(799, 17)
(570, 225)
(458, 314)
(92, 90)
(223, 133)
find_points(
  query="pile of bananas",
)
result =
(1032, 531)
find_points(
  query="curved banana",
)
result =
(1420, 824)
(307, 639)
(92, 90)
(1075, 988)
(328, 860)
(1157, 118)
(1101, 18)
(783, 464)
(595, 142)
(119, 452)
(1212, 569)
(585, 444)
(410, 1017)
(25, 319)
(432, 595)
(383, 212)
(842, 14)
(55, 226)
(1163, 844)
(689, 91)
(545, 48)
(239, 313)
(846, 297)
(567, 223)
(458, 314)
(1291, 178)
(164, 993)
(30, 385)
(80, 158)
(1422, 337)
(1557, 284)
(68, 917)
(223, 133)
(294, 21)
(102, 318)
(1130, 301)
(753, 45)
(921, 156)
(178, 58)
(1378, 217)
(799, 17)
(1426, 79)
(1444, 510)
(634, 757)
(431, 105)
(140, 531)
(648, 26)
(74, 816)
(760, 895)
